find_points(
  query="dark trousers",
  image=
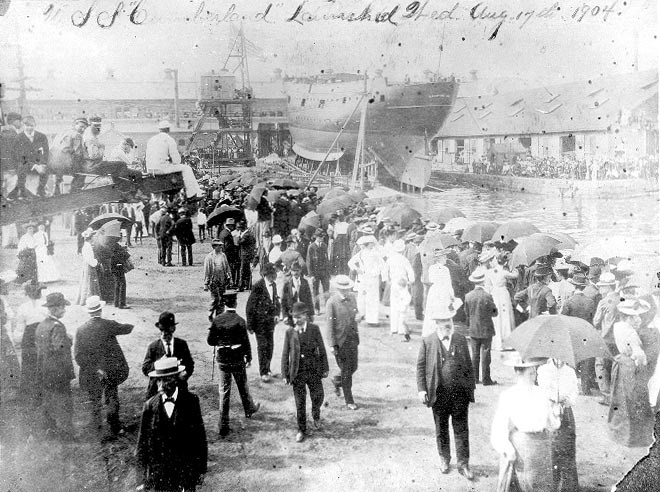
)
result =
(120, 289)
(217, 303)
(264, 348)
(481, 354)
(245, 273)
(98, 396)
(186, 254)
(300, 384)
(202, 232)
(586, 371)
(237, 372)
(325, 282)
(165, 251)
(21, 177)
(418, 299)
(129, 230)
(79, 242)
(347, 361)
(455, 407)
(159, 244)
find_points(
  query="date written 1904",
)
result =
(587, 11)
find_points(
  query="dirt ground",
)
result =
(387, 444)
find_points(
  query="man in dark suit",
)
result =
(318, 267)
(538, 296)
(263, 311)
(10, 147)
(304, 364)
(296, 289)
(103, 366)
(445, 383)
(479, 311)
(342, 315)
(183, 230)
(171, 451)
(247, 250)
(230, 248)
(164, 231)
(581, 306)
(228, 332)
(32, 156)
(168, 346)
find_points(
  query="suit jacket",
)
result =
(32, 152)
(54, 363)
(156, 351)
(341, 319)
(97, 348)
(260, 309)
(580, 306)
(291, 352)
(539, 298)
(183, 230)
(304, 295)
(479, 311)
(171, 453)
(231, 250)
(317, 260)
(429, 366)
(165, 227)
(247, 245)
(229, 332)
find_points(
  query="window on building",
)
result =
(568, 144)
(344, 100)
(321, 103)
(302, 103)
(525, 142)
(382, 98)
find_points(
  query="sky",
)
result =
(542, 41)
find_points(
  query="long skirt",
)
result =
(368, 298)
(399, 302)
(563, 454)
(630, 420)
(504, 321)
(341, 253)
(532, 470)
(27, 266)
(89, 284)
(29, 382)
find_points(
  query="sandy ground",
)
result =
(388, 444)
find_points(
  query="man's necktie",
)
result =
(445, 339)
(169, 350)
(169, 400)
(274, 287)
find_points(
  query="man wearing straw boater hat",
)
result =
(171, 452)
(103, 366)
(445, 383)
(55, 368)
(521, 430)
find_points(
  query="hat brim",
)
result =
(158, 324)
(63, 303)
(525, 363)
(93, 309)
(173, 372)
(348, 285)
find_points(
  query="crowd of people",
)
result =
(340, 268)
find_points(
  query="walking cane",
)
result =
(213, 367)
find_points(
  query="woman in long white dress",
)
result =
(441, 292)
(401, 276)
(89, 280)
(369, 266)
(46, 268)
(504, 321)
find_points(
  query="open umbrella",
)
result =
(311, 220)
(479, 232)
(606, 247)
(438, 241)
(531, 248)
(445, 214)
(321, 192)
(102, 219)
(357, 196)
(567, 338)
(274, 195)
(327, 207)
(457, 224)
(220, 214)
(565, 241)
(225, 178)
(232, 186)
(334, 193)
(286, 184)
(514, 229)
(400, 213)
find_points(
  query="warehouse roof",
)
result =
(592, 105)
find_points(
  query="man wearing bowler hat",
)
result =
(230, 248)
(103, 366)
(55, 368)
(304, 364)
(318, 267)
(167, 345)
(445, 383)
(171, 451)
(228, 333)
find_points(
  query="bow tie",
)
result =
(170, 400)
(445, 339)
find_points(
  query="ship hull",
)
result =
(400, 121)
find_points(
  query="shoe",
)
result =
(444, 466)
(465, 471)
(124, 307)
(265, 378)
(490, 383)
(405, 339)
(254, 410)
(300, 437)
(169, 265)
(317, 424)
(224, 431)
(351, 406)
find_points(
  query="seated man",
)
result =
(163, 157)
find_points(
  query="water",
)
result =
(585, 219)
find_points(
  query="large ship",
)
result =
(401, 119)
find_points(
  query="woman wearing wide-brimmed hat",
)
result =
(27, 255)
(521, 431)
(630, 419)
(89, 280)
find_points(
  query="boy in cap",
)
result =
(171, 451)
(304, 364)
(217, 277)
(167, 345)
(55, 368)
(228, 333)
(480, 310)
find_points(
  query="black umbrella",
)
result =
(222, 213)
(284, 183)
(97, 222)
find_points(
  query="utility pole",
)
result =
(174, 73)
(22, 87)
